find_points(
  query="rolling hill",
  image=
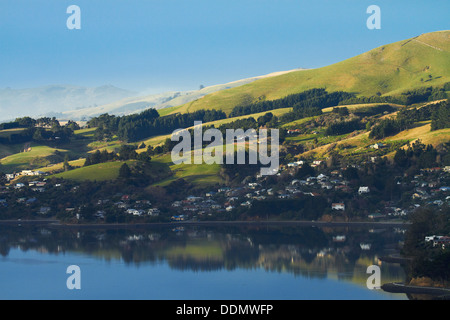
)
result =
(387, 70)
(166, 100)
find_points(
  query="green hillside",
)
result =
(388, 70)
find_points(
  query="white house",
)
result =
(377, 146)
(338, 206)
(135, 212)
(229, 208)
(362, 190)
(153, 212)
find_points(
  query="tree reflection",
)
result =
(306, 251)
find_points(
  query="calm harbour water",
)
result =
(197, 263)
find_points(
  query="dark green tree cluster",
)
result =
(343, 111)
(126, 152)
(99, 157)
(148, 123)
(423, 94)
(344, 127)
(389, 127)
(34, 131)
(429, 261)
(417, 114)
(440, 119)
(418, 155)
(408, 97)
(311, 99)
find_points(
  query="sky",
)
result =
(160, 45)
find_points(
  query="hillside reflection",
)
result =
(341, 253)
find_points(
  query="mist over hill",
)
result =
(52, 100)
(139, 103)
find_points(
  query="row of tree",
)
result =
(40, 130)
(126, 152)
(439, 114)
(408, 97)
(136, 127)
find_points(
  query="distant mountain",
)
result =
(135, 104)
(409, 64)
(52, 100)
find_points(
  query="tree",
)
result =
(124, 171)
(351, 173)
(66, 165)
(400, 158)
(87, 162)
(304, 171)
(440, 118)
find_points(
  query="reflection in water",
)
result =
(336, 253)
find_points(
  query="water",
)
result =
(196, 263)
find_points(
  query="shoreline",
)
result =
(395, 287)
(57, 223)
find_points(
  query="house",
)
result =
(316, 163)
(442, 241)
(27, 173)
(153, 212)
(19, 185)
(10, 176)
(296, 163)
(362, 190)
(339, 238)
(176, 204)
(229, 208)
(194, 199)
(338, 206)
(100, 214)
(375, 216)
(135, 212)
(178, 218)
(44, 210)
(377, 146)
(31, 201)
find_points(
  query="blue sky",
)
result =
(181, 44)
